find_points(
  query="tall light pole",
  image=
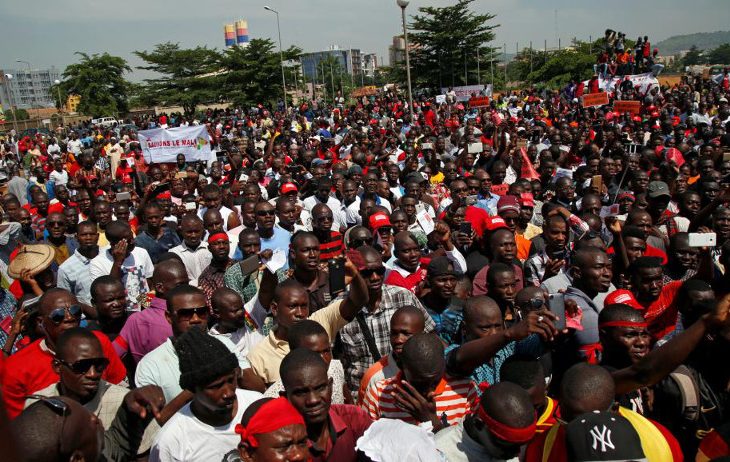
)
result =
(281, 54)
(30, 76)
(8, 78)
(403, 4)
(60, 103)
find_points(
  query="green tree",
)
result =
(720, 55)
(562, 66)
(252, 74)
(20, 114)
(187, 77)
(693, 57)
(446, 42)
(99, 80)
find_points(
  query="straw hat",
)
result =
(35, 256)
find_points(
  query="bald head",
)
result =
(402, 238)
(480, 307)
(168, 274)
(508, 403)
(586, 388)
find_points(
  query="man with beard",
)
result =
(591, 271)
(330, 242)
(80, 363)
(205, 428)
(332, 429)
(110, 302)
(30, 369)
(73, 274)
(211, 279)
(290, 305)
(186, 310)
(366, 341)
(404, 324)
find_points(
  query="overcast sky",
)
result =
(48, 32)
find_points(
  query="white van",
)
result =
(105, 121)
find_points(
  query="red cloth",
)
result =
(650, 251)
(661, 314)
(476, 216)
(410, 282)
(30, 370)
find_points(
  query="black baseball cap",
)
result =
(602, 436)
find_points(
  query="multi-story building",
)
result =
(349, 59)
(369, 64)
(26, 89)
(397, 51)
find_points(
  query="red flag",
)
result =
(528, 171)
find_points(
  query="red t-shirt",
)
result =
(476, 216)
(30, 370)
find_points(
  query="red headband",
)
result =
(218, 237)
(273, 415)
(505, 432)
(164, 195)
(640, 325)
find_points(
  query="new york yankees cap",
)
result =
(602, 436)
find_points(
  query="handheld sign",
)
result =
(480, 101)
(632, 107)
(595, 99)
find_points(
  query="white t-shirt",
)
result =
(136, 269)
(60, 178)
(161, 367)
(185, 438)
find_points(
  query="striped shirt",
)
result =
(454, 398)
(331, 249)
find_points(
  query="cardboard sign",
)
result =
(426, 222)
(440, 99)
(595, 99)
(364, 91)
(632, 107)
(481, 101)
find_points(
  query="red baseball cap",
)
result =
(287, 188)
(527, 200)
(623, 297)
(378, 220)
(494, 223)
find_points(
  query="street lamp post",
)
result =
(60, 102)
(403, 4)
(281, 54)
(8, 78)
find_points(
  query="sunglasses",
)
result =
(263, 213)
(59, 314)
(385, 230)
(367, 272)
(82, 366)
(187, 313)
(52, 224)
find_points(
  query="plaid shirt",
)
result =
(355, 354)
(211, 279)
(73, 275)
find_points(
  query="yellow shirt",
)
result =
(266, 357)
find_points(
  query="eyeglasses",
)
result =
(82, 366)
(51, 224)
(59, 314)
(187, 313)
(367, 272)
(263, 213)
(532, 305)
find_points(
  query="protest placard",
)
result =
(480, 101)
(595, 99)
(632, 107)
(161, 145)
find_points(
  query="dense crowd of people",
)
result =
(533, 280)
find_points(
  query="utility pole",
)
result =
(479, 75)
(531, 56)
(504, 46)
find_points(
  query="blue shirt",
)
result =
(448, 323)
(156, 247)
(279, 240)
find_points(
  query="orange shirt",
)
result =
(454, 398)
